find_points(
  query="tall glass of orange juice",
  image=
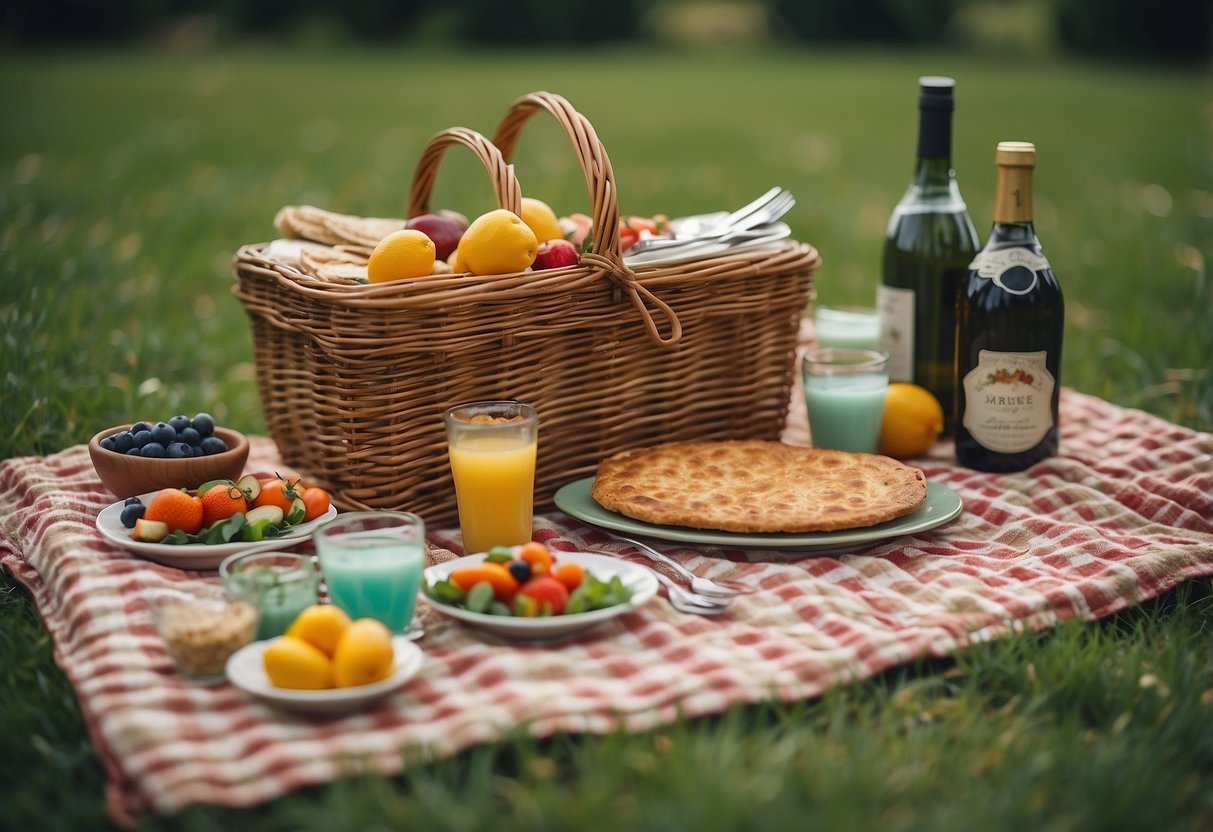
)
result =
(492, 449)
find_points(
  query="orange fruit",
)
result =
(498, 242)
(176, 509)
(456, 262)
(401, 254)
(291, 662)
(912, 421)
(570, 573)
(541, 219)
(320, 625)
(277, 492)
(364, 654)
(220, 502)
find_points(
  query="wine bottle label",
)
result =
(1015, 270)
(1009, 400)
(896, 309)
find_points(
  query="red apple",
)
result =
(444, 229)
(555, 254)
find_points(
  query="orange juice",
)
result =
(492, 449)
(495, 487)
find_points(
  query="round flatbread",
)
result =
(757, 486)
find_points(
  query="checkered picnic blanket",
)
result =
(1124, 514)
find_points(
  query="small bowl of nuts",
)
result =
(202, 626)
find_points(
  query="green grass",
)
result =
(127, 180)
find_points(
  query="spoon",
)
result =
(700, 585)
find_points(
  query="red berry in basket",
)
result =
(555, 254)
(546, 590)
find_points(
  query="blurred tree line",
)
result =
(1180, 30)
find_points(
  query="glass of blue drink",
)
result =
(844, 391)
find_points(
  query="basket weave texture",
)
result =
(354, 378)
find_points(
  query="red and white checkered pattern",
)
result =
(1124, 514)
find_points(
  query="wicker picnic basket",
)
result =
(354, 378)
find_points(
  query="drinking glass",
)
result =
(492, 448)
(844, 391)
(280, 584)
(847, 327)
(372, 563)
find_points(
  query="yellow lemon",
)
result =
(401, 254)
(498, 242)
(321, 626)
(364, 654)
(542, 220)
(913, 419)
(456, 262)
(291, 662)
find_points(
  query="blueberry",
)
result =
(521, 570)
(213, 445)
(138, 426)
(131, 513)
(204, 424)
(130, 501)
(153, 450)
(135, 451)
(141, 438)
(196, 450)
(179, 450)
(163, 434)
(189, 436)
(108, 443)
(123, 441)
(179, 423)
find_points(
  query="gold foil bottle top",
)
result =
(1013, 183)
(1016, 154)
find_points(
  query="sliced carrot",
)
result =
(495, 574)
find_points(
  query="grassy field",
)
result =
(127, 180)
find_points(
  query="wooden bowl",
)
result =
(130, 476)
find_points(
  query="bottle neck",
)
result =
(1013, 195)
(1013, 234)
(935, 133)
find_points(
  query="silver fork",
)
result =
(700, 585)
(765, 210)
(689, 602)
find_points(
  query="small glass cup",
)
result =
(280, 584)
(372, 563)
(844, 391)
(492, 447)
(202, 626)
(847, 327)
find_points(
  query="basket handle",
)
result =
(505, 184)
(605, 255)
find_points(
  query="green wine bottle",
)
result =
(1010, 317)
(928, 247)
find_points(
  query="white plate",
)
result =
(194, 555)
(246, 671)
(636, 578)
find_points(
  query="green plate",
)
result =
(942, 504)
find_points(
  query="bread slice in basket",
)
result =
(757, 486)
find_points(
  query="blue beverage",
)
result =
(372, 563)
(844, 391)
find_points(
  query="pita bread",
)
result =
(757, 486)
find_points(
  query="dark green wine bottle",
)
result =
(1010, 317)
(928, 247)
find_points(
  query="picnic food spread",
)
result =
(755, 486)
(605, 357)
